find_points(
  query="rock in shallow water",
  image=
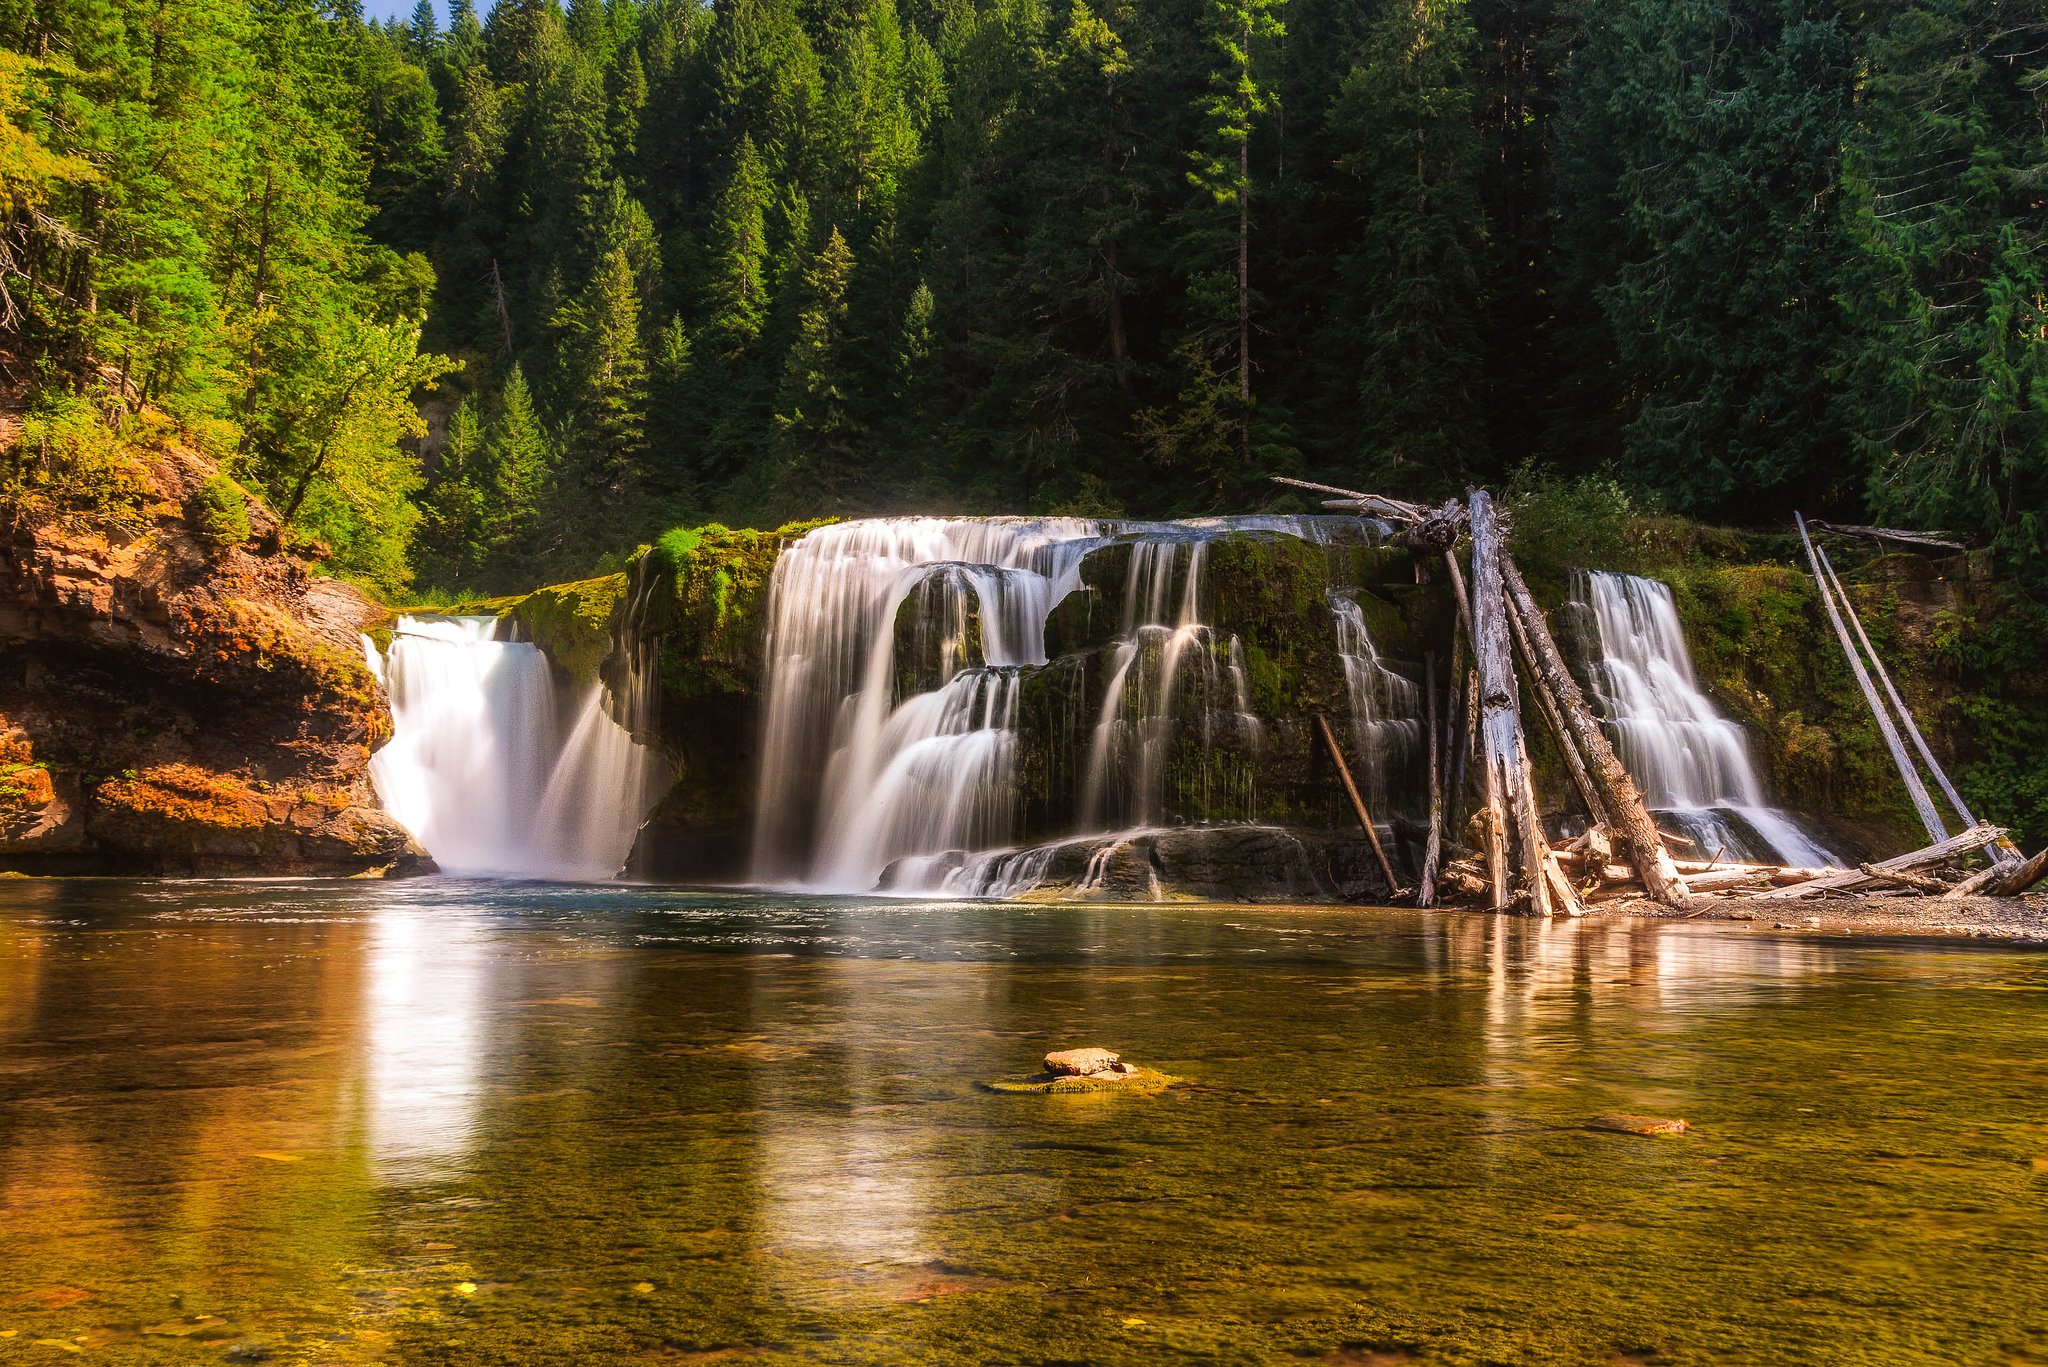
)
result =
(1083, 1062)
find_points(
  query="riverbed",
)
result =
(468, 1123)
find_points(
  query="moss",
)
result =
(185, 796)
(572, 622)
(708, 603)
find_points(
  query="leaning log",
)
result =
(1547, 704)
(1500, 725)
(1372, 834)
(1433, 847)
(1922, 803)
(1628, 815)
(2002, 852)
(1976, 838)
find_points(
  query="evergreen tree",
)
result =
(606, 383)
(524, 477)
(1949, 219)
(423, 34)
(736, 301)
(1240, 96)
(1701, 219)
(816, 431)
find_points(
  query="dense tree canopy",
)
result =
(765, 258)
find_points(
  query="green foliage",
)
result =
(1562, 522)
(218, 513)
(760, 257)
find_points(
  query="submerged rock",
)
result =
(1135, 1079)
(1618, 1123)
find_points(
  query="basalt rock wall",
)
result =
(170, 704)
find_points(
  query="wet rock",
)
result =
(1083, 1062)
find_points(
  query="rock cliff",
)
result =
(177, 694)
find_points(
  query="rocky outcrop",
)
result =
(173, 705)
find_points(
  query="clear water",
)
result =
(467, 1123)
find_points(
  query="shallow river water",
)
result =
(465, 1123)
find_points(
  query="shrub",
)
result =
(219, 514)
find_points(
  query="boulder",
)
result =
(1084, 1062)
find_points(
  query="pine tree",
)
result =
(1948, 353)
(455, 538)
(1241, 94)
(816, 433)
(736, 301)
(1700, 209)
(524, 484)
(605, 382)
(673, 421)
(423, 34)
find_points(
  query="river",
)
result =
(467, 1122)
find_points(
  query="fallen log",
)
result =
(1372, 834)
(1976, 838)
(1629, 815)
(2001, 852)
(1899, 877)
(2007, 879)
(1939, 540)
(1547, 705)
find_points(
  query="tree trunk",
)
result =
(1627, 814)
(1433, 848)
(1508, 795)
(1244, 265)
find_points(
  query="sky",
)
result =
(402, 9)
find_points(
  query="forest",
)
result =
(478, 300)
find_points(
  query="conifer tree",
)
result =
(816, 431)
(606, 380)
(1949, 217)
(736, 299)
(524, 480)
(423, 34)
(1240, 96)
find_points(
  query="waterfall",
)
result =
(900, 652)
(850, 781)
(482, 769)
(1386, 709)
(1692, 762)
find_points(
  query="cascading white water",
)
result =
(897, 652)
(480, 769)
(1692, 762)
(1386, 722)
(896, 781)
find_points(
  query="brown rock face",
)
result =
(164, 709)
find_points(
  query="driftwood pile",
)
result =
(1476, 718)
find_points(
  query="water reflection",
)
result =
(650, 1125)
(425, 982)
